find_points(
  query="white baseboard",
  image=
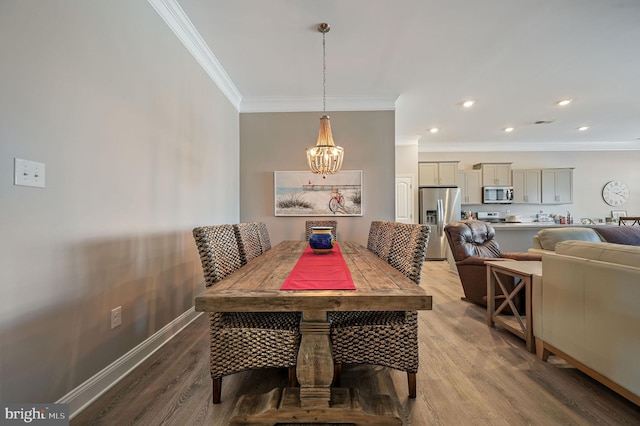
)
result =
(79, 398)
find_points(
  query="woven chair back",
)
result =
(265, 241)
(373, 234)
(408, 249)
(384, 240)
(219, 251)
(248, 235)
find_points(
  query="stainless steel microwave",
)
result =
(497, 194)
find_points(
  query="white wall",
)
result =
(593, 169)
(277, 141)
(140, 146)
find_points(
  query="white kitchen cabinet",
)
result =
(495, 174)
(438, 173)
(557, 186)
(470, 183)
(526, 186)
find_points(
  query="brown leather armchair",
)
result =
(472, 242)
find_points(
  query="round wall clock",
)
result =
(615, 193)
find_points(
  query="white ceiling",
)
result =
(516, 58)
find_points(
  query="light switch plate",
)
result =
(28, 173)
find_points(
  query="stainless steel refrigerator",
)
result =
(438, 206)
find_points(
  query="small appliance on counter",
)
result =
(544, 218)
(513, 218)
(491, 217)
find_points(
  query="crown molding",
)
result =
(307, 104)
(177, 20)
(173, 15)
(406, 141)
(528, 146)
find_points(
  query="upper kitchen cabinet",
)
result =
(526, 186)
(470, 183)
(557, 186)
(438, 174)
(495, 174)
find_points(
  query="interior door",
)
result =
(404, 199)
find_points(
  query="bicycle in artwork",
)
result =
(336, 201)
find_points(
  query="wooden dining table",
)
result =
(256, 288)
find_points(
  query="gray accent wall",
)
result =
(140, 147)
(277, 141)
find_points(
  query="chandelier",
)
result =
(325, 158)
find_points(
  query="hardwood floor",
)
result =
(469, 375)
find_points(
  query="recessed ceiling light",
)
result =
(583, 128)
(434, 130)
(564, 102)
(469, 103)
(508, 129)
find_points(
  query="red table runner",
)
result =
(320, 272)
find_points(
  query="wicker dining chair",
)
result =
(312, 223)
(265, 241)
(248, 235)
(242, 340)
(390, 338)
(384, 239)
(372, 241)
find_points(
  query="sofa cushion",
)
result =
(549, 237)
(628, 235)
(618, 254)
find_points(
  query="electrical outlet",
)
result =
(116, 317)
(28, 173)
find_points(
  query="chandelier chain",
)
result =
(324, 74)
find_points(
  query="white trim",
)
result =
(407, 141)
(527, 146)
(314, 103)
(80, 397)
(171, 12)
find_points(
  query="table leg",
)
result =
(491, 296)
(315, 401)
(528, 312)
(315, 361)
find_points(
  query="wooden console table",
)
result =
(524, 271)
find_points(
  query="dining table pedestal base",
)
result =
(282, 405)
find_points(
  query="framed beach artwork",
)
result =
(308, 194)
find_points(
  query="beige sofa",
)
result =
(546, 239)
(586, 309)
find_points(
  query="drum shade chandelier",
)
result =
(325, 158)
